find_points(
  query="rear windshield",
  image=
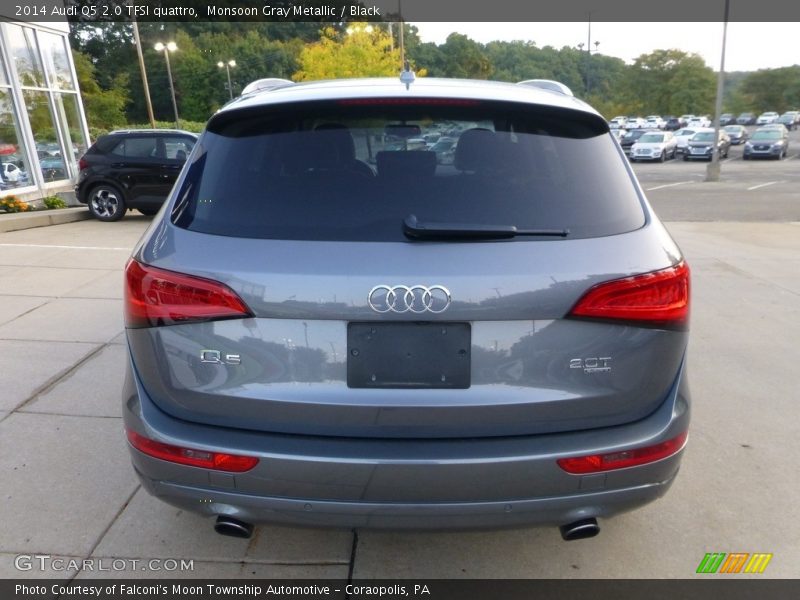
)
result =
(767, 135)
(355, 170)
(652, 138)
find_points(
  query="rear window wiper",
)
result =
(416, 229)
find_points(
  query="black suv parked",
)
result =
(131, 169)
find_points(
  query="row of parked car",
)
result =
(790, 119)
(768, 141)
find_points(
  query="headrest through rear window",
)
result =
(411, 163)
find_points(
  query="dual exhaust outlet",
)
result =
(578, 530)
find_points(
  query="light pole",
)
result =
(144, 74)
(228, 65)
(713, 169)
(167, 48)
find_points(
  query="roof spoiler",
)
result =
(269, 83)
(547, 84)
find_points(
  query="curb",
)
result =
(17, 221)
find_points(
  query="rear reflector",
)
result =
(155, 297)
(188, 456)
(597, 463)
(83, 163)
(660, 298)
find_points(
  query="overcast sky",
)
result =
(750, 46)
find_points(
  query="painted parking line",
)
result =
(791, 157)
(666, 185)
(64, 247)
(761, 185)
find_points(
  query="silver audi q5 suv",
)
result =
(328, 326)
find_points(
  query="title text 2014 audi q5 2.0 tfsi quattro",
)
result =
(327, 327)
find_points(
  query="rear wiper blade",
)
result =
(414, 228)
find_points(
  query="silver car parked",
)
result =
(327, 328)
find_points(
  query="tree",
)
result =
(104, 108)
(465, 58)
(671, 82)
(772, 89)
(363, 50)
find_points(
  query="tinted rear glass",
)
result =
(354, 171)
(137, 147)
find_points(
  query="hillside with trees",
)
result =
(662, 82)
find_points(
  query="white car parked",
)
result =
(12, 173)
(699, 123)
(655, 121)
(682, 137)
(767, 118)
(655, 145)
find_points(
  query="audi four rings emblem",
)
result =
(403, 298)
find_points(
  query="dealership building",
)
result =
(43, 129)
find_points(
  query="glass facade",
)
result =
(42, 126)
(54, 51)
(13, 158)
(25, 54)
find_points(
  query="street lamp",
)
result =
(713, 169)
(228, 65)
(167, 48)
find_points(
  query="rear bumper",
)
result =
(557, 510)
(414, 484)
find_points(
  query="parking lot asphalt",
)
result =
(67, 488)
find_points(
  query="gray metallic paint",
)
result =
(482, 457)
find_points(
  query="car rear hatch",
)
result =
(311, 281)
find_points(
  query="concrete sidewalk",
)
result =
(68, 489)
(42, 218)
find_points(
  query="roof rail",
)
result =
(548, 84)
(269, 83)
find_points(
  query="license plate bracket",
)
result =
(409, 355)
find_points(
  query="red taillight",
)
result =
(83, 163)
(596, 463)
(658, 298)
(188, 456)
(156, 297)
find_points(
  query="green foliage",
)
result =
(363, 50)
(53, 202)
(661, 82)
(103, 108)
(670, 82)
(464, 58)
(772, 89)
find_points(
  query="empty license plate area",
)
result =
(408, 355)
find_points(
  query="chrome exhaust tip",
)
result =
(579, 530)
(233, 527)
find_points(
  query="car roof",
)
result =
(423, 87)
(149, 131)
